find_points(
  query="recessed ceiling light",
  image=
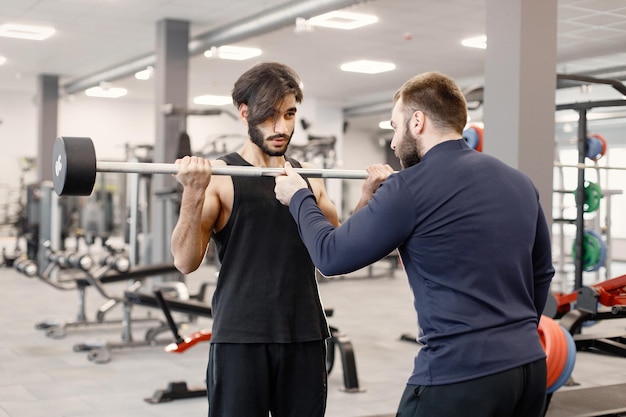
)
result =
(238, 53)
(106, 92)
(37, 33)
(475, 42)
(339, 19)
(2, 60)
(367, 67)
(211, 100)
(385, 124)
(145, 74)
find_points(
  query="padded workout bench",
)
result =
(82, 278)
(602, 301)
(100, 352)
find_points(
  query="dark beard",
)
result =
(256, 136)
(409, 152)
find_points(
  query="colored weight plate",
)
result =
(596, 240)
(555, 347)
(604, 145)
(569, 362)
(591, 251)
(473, 135)
(593, 195)
(593, 148)
(591, 255)
(479, 129)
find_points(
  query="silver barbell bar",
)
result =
(229, 170)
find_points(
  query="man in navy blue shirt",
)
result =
(475, 246)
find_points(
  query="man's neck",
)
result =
(255, 156)
(436, 140)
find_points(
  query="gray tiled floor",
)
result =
(41, 376)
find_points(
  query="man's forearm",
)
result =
(187, 246)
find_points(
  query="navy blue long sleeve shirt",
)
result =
(476, 249)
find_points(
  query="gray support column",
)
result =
(520, 88)
(172, 75)
(48, 110)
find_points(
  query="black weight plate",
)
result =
(74, 166)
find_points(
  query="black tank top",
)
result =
(266, 289)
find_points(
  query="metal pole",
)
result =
(580, 200)
(230, 170)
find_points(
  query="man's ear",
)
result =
(418, 120)
(243, 112)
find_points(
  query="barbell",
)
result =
(74, 168)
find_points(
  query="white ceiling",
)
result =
(94, 35)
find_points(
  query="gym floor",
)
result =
(41, 376)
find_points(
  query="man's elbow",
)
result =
(184, 267)
(329, 268)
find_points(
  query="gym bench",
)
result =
(100, 352)
(82, 279)
(602, 301)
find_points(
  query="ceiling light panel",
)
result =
(479, 42)
(385, 124)
(106, 92)
(145, 74)
(212, 100)
(237, 53)
(37, 33)
(365, 66)
(339, 19)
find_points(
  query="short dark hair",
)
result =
(262, 88)
(438, 96)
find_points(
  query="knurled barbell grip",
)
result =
(230, 170)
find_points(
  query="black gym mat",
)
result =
(586, 402)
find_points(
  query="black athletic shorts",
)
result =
(252, 380)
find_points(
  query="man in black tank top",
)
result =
(267, 352)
